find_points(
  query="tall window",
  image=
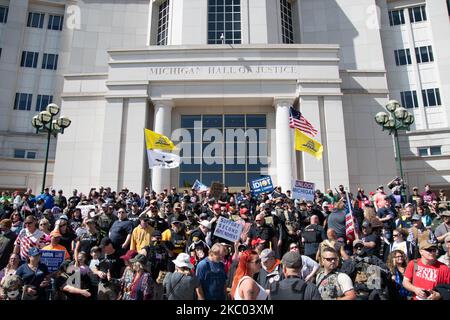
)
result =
(23, 101)
(3, 14)
(424, 54)
(163, 23)
(55, 22)
(417, 14)
(396, 17)
(50, 61)
(409, 99)
(241, 154)
(35, 20)
(287, 31)
(29, 59)
(224, 21)
(43, 101)
(402, 57)
(431, 97)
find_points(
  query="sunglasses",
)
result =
(395, 235)
(63, 225)
(294, 247)
(431, 250)
(27, 223)
(330, 259)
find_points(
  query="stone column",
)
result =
(133, 147)
(284, 146)
(163, 124)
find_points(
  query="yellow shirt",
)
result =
(58, 247)
(141, 237)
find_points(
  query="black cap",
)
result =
(156, 233)
(105, 241)
(292, 260)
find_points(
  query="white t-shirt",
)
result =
(308, 265)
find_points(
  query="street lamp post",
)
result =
(45, 122)
(398, 119)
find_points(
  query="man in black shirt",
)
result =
(261, 230)
(120, 232)
(371, 241)
(108, 270)
(75, 198)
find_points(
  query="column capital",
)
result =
(163, 103)
(283, 101)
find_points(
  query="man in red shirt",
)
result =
(423, 274)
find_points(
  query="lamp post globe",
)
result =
(45, 117)
(401, 113)
(381, 118)
(53, 108)
(392, 105)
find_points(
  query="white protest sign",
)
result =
(228, 229)
(85, 209)
(303, 190)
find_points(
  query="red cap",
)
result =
(257, 241)
(243, 211)
(129, 255)
(216, 206)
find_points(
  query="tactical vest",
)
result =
(368, 276)
(178, 241)
(288, 289)
(328, 286)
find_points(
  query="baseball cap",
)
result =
(416, 217)
(243, 211)
(325, 204)
(409, 205)
(105, 241)
(177, 205)
(129, 255)
(257, 241)
(206, 224)
(266, 254)
(427, 243)
(175, 222)
(380, 187)
(34, 251)
(156, 233)
(292, 260)
(144, 216)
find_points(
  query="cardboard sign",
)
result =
(228, 229)
(216, 189)
(261, 185)
(52, 259)
(303, 190)
(85, 210)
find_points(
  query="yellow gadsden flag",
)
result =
(307, 144)
(157, 141)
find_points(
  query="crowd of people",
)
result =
(126, 246)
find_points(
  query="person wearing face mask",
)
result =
(198, 250)
(159, 254)
(12, 288)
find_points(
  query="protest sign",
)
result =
(303, 190)
(52, 259)
(261, 185)
(228, 229)
(85, 210)
(216, 189)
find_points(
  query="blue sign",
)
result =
(52, 259)
(261, 185)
